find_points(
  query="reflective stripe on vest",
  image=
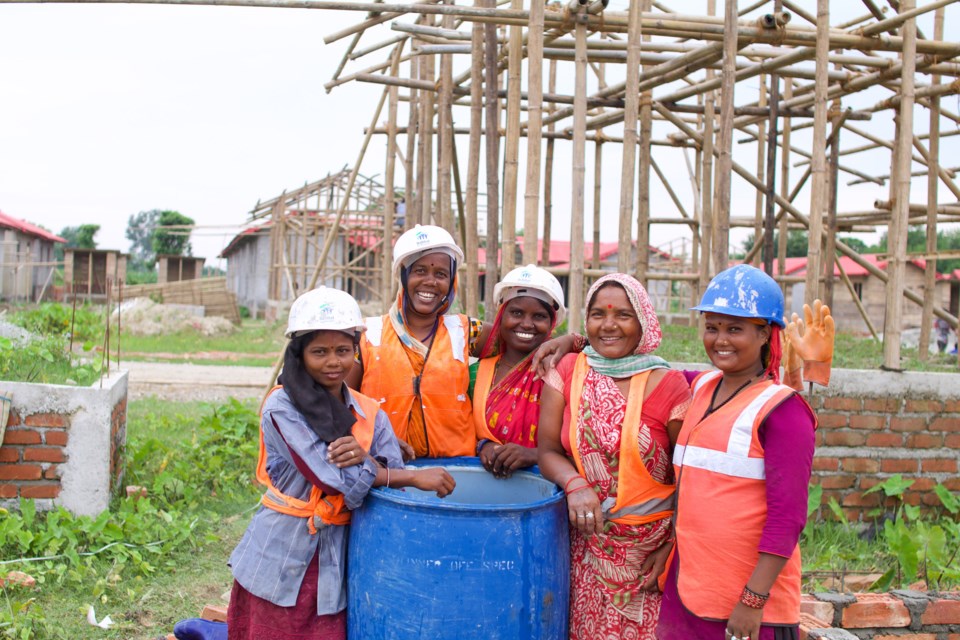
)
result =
(722, 503)
(640, 498)
(388, 377)
(329, 508)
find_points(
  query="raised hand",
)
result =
(816, 344)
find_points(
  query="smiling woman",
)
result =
(414, 359)
(505, 388)
(322, 448)
(607, 421)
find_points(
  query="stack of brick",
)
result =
(899, 615)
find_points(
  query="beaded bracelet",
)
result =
(566, 487)
(753, 599)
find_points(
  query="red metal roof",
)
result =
(28, 228)
(798, 266)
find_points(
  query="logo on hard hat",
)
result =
(326, 311)
(526, 275)
(422, 238)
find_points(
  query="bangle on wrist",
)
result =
(566, 487)
(387, 485)
(752, 599)
(580, 488)
(481, 444)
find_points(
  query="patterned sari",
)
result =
(606, 569)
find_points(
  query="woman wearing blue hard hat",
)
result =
(742, 461)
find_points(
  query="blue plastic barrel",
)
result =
(491, 560)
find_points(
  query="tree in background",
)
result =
(796, 244)
(79, 237)
(140, 234)
(172, 241)
(947, 240)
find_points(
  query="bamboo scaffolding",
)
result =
(657, 85)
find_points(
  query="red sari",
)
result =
(606, 602)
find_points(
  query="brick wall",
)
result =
(33, 448)
(899, 615)
(875, 424)
(64, 445)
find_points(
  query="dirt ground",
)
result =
(189, 382)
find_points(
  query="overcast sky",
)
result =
(107, 110)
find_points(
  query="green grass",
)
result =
(255, 342)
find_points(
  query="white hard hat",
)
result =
(532, 281)
(420, 241)
(324, 309)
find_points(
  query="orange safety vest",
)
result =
(720, 469)
(388, 377)
(481, 389)
(640, 498)
(330, 508)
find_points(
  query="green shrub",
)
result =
(52, 319)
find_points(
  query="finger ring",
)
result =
(589, 515)
(580, 515)
(353, 453)
(728, 632)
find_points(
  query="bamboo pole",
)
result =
(575, 296)
(721, 228)
(933, 179)
(785, 180)
(531, 198)
(833, 192)
(629, 151)
(597, 175)
(492, 147)
(818, 166)
(548, 175)
(473, 170)
(425, 139)
(897, 238)
(706, 179)
(762, 134)
(411, 197)
(445, 137)
(511, 149)
(389, 201)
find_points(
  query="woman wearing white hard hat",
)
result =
(743, 457)
(415, 359)
(505, 387)
(322, 448)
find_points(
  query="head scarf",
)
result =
(649, 326)
(327, 416)
(513, 404)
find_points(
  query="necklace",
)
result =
(713, 398)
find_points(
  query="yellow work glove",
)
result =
(815, 346)
(792, 362)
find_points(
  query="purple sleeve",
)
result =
(787, 437)
(690, 375)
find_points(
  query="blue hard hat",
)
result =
(745, 292)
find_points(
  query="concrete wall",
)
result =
(64, 445)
